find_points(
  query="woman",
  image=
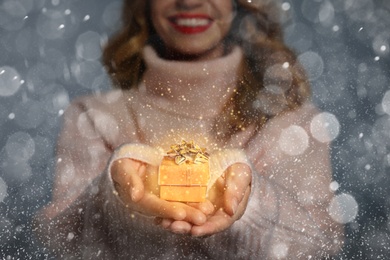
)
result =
(215, 72)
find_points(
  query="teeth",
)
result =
(192, 22)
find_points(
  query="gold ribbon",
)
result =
(188, 152)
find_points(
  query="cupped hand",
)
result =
(227, 201)
(135, 182)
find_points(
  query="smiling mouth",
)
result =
(190, 24)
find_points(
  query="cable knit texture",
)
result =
(286, 215)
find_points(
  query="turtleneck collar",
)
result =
(197, 89)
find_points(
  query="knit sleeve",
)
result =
(292, 195)
(288, 215)
(85, 213)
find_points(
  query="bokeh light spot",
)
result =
(343, 208)
(88, 46)
(386, 102)
(325, 127)
(279, 251)
(313, 64)
(294, 140)
(334, 186)
(286, 6)
(3, 190)
(20, 146)
(9, 81)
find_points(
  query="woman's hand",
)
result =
(131, 179)
(226, 203)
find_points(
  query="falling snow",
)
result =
(50, 54)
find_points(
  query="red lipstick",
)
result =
(191, 23)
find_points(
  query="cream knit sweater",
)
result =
(286, 217)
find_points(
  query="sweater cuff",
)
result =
(139, 152)
(223, 159)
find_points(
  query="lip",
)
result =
(190, 23)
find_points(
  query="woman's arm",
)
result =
(86, 207)
(82, 154)
(296, 174)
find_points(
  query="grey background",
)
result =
(49, 54)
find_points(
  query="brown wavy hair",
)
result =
(271, 81)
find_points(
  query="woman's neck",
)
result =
(212, 54)
(191, 88)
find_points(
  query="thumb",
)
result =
(128, 174)
(238, 179)
(136, 183)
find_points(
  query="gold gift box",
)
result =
(185, 182)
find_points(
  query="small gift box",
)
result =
(184, 174)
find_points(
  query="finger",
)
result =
(206, 207)
(180, 227)
(217, 223)
(166, 223)
(242, 206)
(238, 178)
(136, 187)
(135, 166)
(122, 167)
(194, 215)
(154, 206)
(134, 171)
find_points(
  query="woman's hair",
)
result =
(271, 80)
